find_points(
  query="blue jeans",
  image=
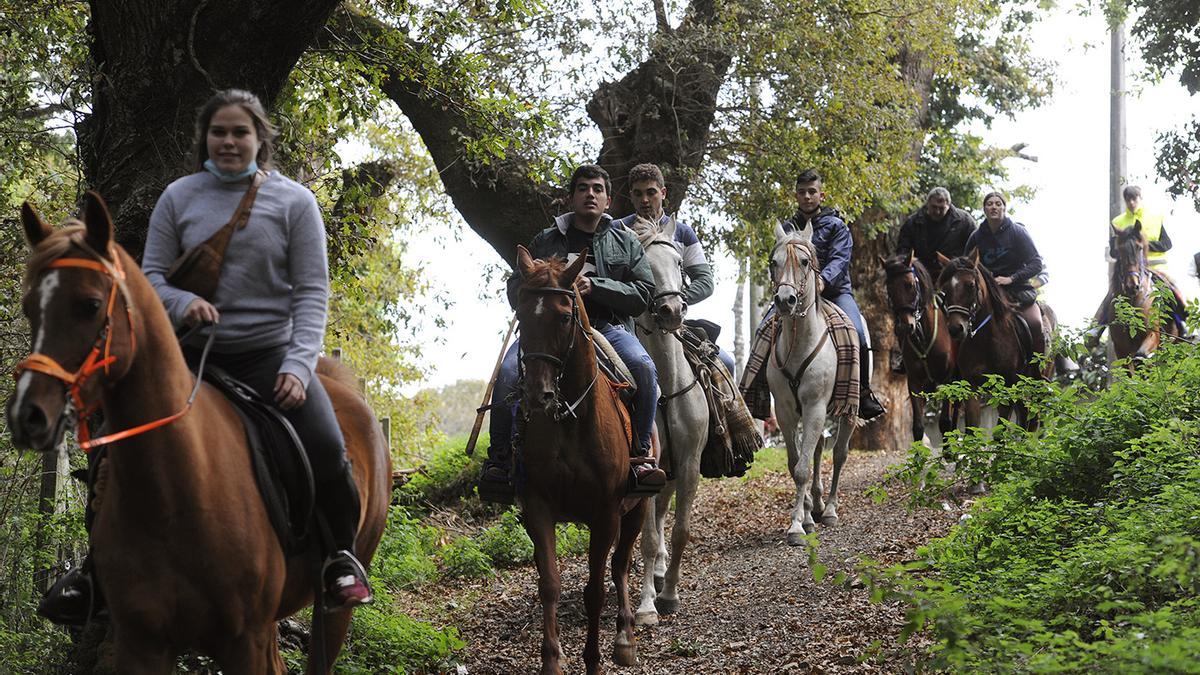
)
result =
(727, 359)
(645, 376)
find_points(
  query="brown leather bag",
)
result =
(199, 268)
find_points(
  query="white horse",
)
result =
(801, 374)
(682, 425)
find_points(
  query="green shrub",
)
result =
(406, 554)
(572, 540)
(1086, 556)
(464, 558)
(384, 640)
(447, 476)
(506, 542)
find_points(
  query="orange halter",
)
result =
(99, 356)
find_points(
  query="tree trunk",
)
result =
(893, 430)
(156, 62)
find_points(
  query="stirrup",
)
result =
(491, 489)
(350, 588)
(69, 602)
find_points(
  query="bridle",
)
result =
(969, 312)
(562, 408)
(793, 260)
(918, 311)
(1139, 273)
(100, 356)
(655, 306)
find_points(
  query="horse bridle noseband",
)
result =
(654, 304)
(564, 409)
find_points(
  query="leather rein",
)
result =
(563, 409)
(793, 260)
(918, 310)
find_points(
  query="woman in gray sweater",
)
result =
(270, 303)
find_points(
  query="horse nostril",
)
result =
(32, 418)
(546, 397)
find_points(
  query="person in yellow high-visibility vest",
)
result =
(1158, 242)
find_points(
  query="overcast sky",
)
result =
(1067, 218)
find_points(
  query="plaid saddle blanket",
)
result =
(842, 333)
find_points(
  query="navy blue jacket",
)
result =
(834, 245)
(1009, 252)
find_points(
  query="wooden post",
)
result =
(336, 353)
(386, 424)
(55, 467)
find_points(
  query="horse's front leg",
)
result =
(686, 484)
(625, 646)
(817, 489)
(813, 427)
(139, 654)
(841, 450)
(918, 415)
(789, 421)
(647, 614)
(601, 536)
(540, 527)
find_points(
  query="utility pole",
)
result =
(1116, 133)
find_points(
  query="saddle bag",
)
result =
(199, 268)
(733, 437)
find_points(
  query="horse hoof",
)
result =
(809, 528)
(625, 655)
(666, 605)
(795, 538)
(658, 583)
(831, 521)
(645, 619)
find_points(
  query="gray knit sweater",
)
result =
(274, 285)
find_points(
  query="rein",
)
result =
(794, 379)
(564, 409)
(100, 356)
(918, 310)
(969, 312)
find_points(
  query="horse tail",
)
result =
(339, 372)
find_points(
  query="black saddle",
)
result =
(281, 467)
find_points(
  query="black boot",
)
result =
(74, 598)
(645, 476)
(344, 577)
(869, 407)
(495, 481)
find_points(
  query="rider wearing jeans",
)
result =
(647, 191)
(616, 285)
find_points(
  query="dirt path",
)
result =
(748, 602)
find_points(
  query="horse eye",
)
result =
(804, 262)
(88, 307)
(565, 319)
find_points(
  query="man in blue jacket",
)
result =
(834, 245)
(648, 191)
(616, 285)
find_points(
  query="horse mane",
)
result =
(52, 248)
(647, 231)
(545, 272)
(897, 265)
(1000, 305)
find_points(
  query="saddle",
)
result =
(614, 368)
(281, 467)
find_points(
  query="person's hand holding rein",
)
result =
(200, 311)
(289, 393)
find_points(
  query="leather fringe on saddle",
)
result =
(733, 436)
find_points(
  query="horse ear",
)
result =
(1137, 227)
(882, 261)
(35, 228)
(668, 230)
(524, 261)
(975, 257)
(912, 257)
(99, 222)
(780, 234)
(574, 268)
(943, 261)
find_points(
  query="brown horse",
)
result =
(1133, 280)
(183, 548)
(985, 324)
(924, 340)
(575, 439)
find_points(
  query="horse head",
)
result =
(1132, 268)
(552, 317)
(794, 268)
(667, 307)
(81, 323)
(908, 286)
(969, 295)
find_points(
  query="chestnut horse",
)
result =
(1133, 280)
(924, 340)
(984, 323)
(574, 455)
(182, 545)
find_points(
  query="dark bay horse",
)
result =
(575, 439)
(182, 545)
(924, 339)
(984, 323)
(1133, 280)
